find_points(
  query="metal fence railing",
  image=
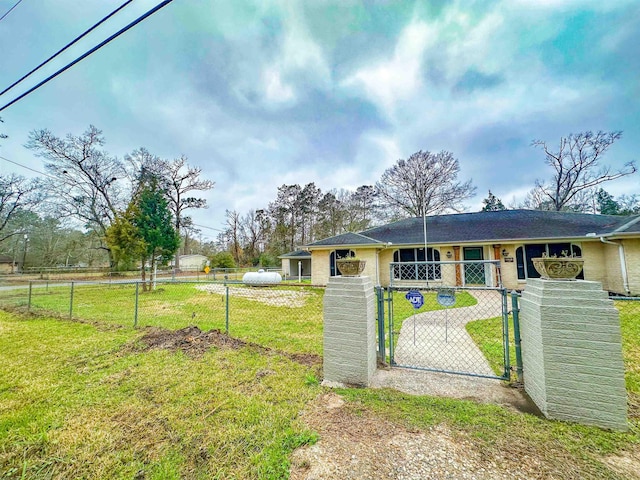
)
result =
(90, 273)
(272, 316)
(446, 273)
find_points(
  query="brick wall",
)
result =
(572, 353)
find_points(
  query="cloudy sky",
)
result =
(263, 93)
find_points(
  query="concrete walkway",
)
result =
(439, 340)
(455, 352)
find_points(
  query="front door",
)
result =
(473, 272)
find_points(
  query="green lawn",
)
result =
(84, 400)
(295, 325)
(75, 404)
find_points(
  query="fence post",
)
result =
(226, 323)
(135, 315)
(381, 346)
(515, 309)
(29, 300)
(505, 340)
(71, 303)
(390, 314)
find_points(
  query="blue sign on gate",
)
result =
(446, 297)
(415, 297)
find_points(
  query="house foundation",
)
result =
(349, 331)
(572, 353)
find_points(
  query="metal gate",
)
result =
(432, 326)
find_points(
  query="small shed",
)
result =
(192, 263)
(6, 264)
(296, 263)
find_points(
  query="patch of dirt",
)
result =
(626, 464)
(356, 444)
(195, 343)
(359, 445)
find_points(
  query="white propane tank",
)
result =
(255, 279)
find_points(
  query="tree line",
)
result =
(136, 210)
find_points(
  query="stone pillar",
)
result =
(572, 352)
(349, 331)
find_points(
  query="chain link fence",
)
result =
(450, 330)
(287, 317)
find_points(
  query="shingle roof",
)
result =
(296, 254)
(492, 226)
(348, 238)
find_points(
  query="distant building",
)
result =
(6, 264)
(193, 263)
(296, 263)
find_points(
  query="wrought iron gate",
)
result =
(462, 330)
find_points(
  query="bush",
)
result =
(223, 260)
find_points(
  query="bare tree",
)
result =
(16, 194)
(424, 184)
(576, 165)
(233, 233)
(86, 183)
(254, 228)
(177, 179)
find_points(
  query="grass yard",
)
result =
(488, 335)
(90, 400)
(74, 403)
(294, 324)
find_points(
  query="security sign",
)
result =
(416, 298)
(446, 297)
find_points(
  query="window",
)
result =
(413, 270)
(337, 255)
(525, 253)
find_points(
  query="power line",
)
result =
(73, 42)
(28, 168)
(204, 226)
(9, 11)
(55, 178)
(85, 55)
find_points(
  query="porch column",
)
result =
(456, 257)
(496, 256)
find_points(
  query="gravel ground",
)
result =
(361, 445)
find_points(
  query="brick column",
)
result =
(349, 331)
(572, 352)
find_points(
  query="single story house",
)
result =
(609, 245)
(296, 263)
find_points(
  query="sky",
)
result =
(264, 93)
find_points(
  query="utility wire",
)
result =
(55, 178)
(9, 11)
(28, 168)
(73, 42)
(85, 55)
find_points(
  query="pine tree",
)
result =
(492, 203)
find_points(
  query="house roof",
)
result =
(348, 238)
(296, 254)
(497, 226)
(6, 259)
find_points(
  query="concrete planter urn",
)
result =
(561, 268)
(349, 267)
